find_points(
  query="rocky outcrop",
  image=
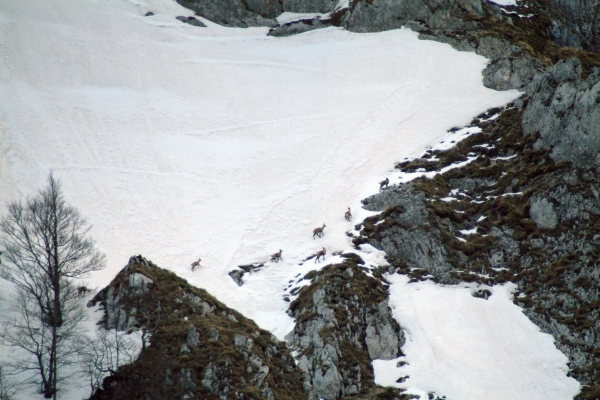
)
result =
(343, 322)
(576, 23)
(192, 21)
(199, 348)
(403, 231)
(238, 274)
(542, 213)
(117, 300)
(236, 13)
(533, 219)
(565, 112)
(300, 26)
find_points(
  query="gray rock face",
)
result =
(381, 339)
(495, 48)
(542, 213)
(112, 299)
(237, 275)
(214, 334)
(412, 203)
(193, 337)
(336, 318)
(236, 13)
(242, 343)
(471, 184)
(576, 23)
(297, 27)
(138, 283)
(566, 113)
(192, 21)
(408, 237)
(511, 72)
(184, 349)
(185, 380)
(541, 232)
(509, 67)
(309, 6)
(382, 15)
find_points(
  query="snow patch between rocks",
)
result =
(465, 347)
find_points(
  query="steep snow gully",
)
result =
(179, 142)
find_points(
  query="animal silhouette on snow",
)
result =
(320, 253)
(276, 256)
(383, 183)
(318, 232)
(196, 264)
(348, 215)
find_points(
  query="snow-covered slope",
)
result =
(449, 330)
(180, 142)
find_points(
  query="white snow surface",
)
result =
(504, 2)
(465, 347)
(287, 17)
(180, 142)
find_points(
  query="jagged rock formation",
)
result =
(238, 274)
(533, 192)
(564, 110)
(199, 348)
(236, 13)
(537, 214)
(343, 322)
(192, 21)
(576, 23)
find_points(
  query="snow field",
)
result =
(465, 347)
(180, 142)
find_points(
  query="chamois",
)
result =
(348, 215)
(320, 253)
(277, 256)
(384, 183)
(82, 290)
(318, 232)
(196, 264)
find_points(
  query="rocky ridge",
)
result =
(343, 322)
(526, 210)
(198, 348)
(531, 190)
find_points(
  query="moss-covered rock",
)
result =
(343, 322)
(536, 223)
(198, 348)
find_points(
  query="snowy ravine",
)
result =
(179, 142)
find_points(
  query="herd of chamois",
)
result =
(276, 257)
(317, 233)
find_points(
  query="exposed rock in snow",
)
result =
(192, 21)
(343, 322)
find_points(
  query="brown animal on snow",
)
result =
(384, 183)
(196, 264)
(82, 291)
(318, 232)
(320, 253)
(277, 256)
(348, 215)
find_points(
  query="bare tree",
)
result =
(47, 246)
(105, 353)
(8, 388)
